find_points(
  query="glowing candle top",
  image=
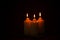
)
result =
(40, 15)
(40, 18)
(34, 20)
(27, 16)
(27, 19)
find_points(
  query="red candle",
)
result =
(40, 22)
(27, 25)
(34, 27)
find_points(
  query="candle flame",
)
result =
(34, 15)
(27, 15)
(39, 13)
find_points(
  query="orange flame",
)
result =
(39, 13)
(27, 15)
(34, 15)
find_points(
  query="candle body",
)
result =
(40, 22)
(27, 25)
(34, 28)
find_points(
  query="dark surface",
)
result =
(16, 16)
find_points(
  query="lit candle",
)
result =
(40, 22)
(27, 25)
(34, 27)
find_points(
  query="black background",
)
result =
(16, 16)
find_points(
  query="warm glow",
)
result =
(34, 15)
(39, 13)
(27, 15)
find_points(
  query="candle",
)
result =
(40, 22)
(27, 25)
(34, 27)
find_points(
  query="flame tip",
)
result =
(27, 15)
(34, 15)
(39, 13)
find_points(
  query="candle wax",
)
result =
(27, 25)
(34, 28)
(40, 22)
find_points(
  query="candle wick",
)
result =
(39, 16)
(34, 17)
